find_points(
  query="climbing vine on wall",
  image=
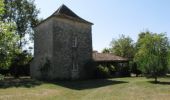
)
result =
(44, 69)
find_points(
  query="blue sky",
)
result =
(112, 18)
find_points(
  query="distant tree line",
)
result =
(149, 56)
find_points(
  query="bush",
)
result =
(20, 64)
(106, 71)
(1, 77)
(102, 72)
(112, 69)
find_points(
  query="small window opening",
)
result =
(75, 65)
(74, 42)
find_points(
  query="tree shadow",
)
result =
(20, 82)
(159, 82)
(87, 84)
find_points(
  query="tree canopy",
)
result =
(8, 40)
(1, 8)
(123, 46)
(24, 14)
(152, 54)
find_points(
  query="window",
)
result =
(74, 42)
(75, 65)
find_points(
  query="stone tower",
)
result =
(62, 46)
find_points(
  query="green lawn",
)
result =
(105, 89)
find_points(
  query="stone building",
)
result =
(62, 46)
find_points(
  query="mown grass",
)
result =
(131, 88)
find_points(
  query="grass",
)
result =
(132, 88)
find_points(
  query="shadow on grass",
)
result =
(87, 84)
(159, 82)
(76, 85)
(20, 82)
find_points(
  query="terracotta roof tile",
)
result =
(107, 57)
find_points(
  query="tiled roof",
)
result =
(64, 11)
(108, 57)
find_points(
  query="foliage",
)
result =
(134, 68)
(106, 50)
(1, 77)
(17, 19)
(152, 54)
(24, 14)
(1, 8)
(12, 59)
(102, 72)
(8, 42)
(112, 69)
(20, 64)
(169, 60)
(124, 47)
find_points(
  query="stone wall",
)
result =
(63, 34)
(54, 42)
(42, 47)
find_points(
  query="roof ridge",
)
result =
(65, 11)
(73, 16)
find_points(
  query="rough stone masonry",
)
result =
(62, 46)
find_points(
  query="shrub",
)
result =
(20, 64)
(1, 77)
(102, 72)
(112, 69)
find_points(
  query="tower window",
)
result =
(75, 65)
(74, 42)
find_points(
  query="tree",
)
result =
(152, 53)
(8, 44)
(24, 14)
(124, 47)
(18, 18)
(1, 7)
(8, 41)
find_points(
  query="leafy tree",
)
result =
(152, 54)
(18, 17)
(8, 41)
(24, 14)
(124, 47)
(8, 44)
(1, 7)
